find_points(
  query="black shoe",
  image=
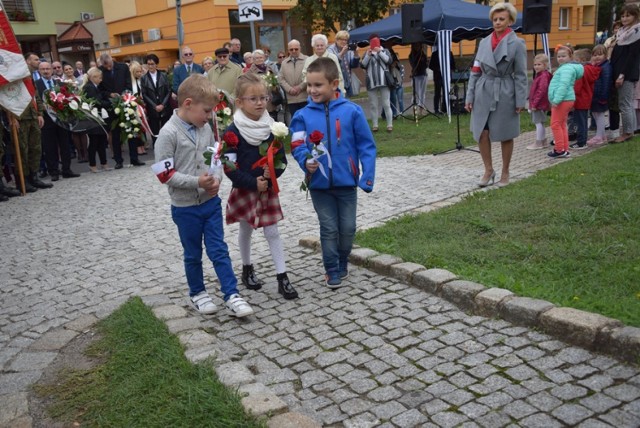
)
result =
(137, 163)
(9, 191)
(118, 165)
(55, 177)
(28, 187)
(37, 183)
(249, 278)
(69, 174)
(83, 161)
(3, 198)
(43, 174)
(285, 288)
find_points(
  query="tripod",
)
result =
(459, 145)
(415, 105)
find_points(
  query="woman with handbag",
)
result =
(379, 79)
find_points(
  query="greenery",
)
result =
(145, 380)
(568, 235)
(432, 134)
(322, 16)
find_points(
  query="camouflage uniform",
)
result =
(29, 136)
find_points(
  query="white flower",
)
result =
(129, 136)
(122, 125)
(136, 130)
(133, 103)
(134, 122)
(117, 110)
(94, 112)
(227, 111)
(104, 114)
(73, 105)
(130, 111)
(279, 130)
(86, 106)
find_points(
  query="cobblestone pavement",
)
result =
(375, 353)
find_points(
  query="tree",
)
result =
(324, 15)
(605, 17)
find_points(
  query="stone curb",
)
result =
(588, 330)
(199, 345)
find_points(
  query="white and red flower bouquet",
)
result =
(72, 110)
(131, 117)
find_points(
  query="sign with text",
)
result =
(249, 10)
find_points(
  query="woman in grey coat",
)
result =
(498, 91)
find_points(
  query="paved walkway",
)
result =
(375, 353)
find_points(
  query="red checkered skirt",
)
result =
(259, 209)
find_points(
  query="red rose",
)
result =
(221, 106)
(231, 139)
(316, 137)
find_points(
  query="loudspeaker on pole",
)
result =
(412, 22)
(536, 17)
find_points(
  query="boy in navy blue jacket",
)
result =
(331, 140)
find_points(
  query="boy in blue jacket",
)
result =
(331, 140)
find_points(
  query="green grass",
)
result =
(569, 235)
(430, 135)
(145, 380)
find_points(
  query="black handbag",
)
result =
(389, 79)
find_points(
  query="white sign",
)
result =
(250, 10)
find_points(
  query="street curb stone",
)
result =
(488, 301)
(264, 404)
(431, 280)
(576, 326)
(586, 329)
(234, 374)
(524, 310)
(292, 420)
(462, 293)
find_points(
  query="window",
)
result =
(394, 11)
(19, 10)
(269, 32)
(130, 38)
(565, 18)
(588, 15)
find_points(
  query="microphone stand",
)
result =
(414, 106)
(459, 146)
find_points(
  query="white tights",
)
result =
(273, 239)
(600, 123)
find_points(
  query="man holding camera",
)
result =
(348, 58)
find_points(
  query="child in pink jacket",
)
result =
(539, 100)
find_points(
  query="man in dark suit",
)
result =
(55, 140)
(116, 79)
(183, 71)
(79, 70)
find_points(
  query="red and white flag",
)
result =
(164, 170)
(15, 93)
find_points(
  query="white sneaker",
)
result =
(238, 307)
(203, 303)
(613, 134)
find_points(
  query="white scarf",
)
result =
(628, 35)
(253, 131)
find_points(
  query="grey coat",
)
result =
(498, 88)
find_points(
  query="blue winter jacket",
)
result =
(353, 149)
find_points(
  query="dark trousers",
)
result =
(438, 91)
(614, 120)
(116, 142)
(156, 123)
(294, 107)
(580, 117)
(55, 142)
(97, 144)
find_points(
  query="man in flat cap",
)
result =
(225, 73)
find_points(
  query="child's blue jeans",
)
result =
(195, 223)
(336, 209)
(581, 117)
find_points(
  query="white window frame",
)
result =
(564, 18)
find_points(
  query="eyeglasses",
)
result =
(254, 100)
(280, 56)
(294, 49)
(221, 56)
(57, 67)
(187, 54)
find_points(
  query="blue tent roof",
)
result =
(468, 21)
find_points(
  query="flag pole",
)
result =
(13, 123)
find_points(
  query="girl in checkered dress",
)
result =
(253, 202)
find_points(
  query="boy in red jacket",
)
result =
(584, 94)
